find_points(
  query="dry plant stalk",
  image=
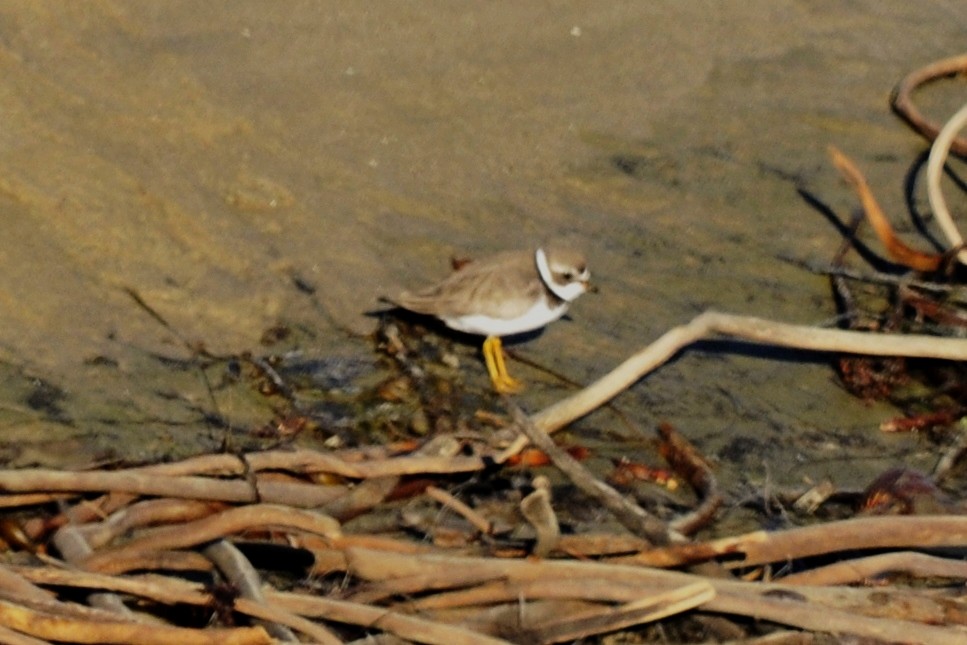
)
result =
(242, 575)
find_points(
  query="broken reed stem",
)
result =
(713, 324)
(935, 164)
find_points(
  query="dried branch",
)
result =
(860, 569)
(760, 547)
(715, 324)
(630, 515)
(90, 630)
(479, 522)
(74, 549)
(935, 164)
(905, 255)
(687, 462)
(842, 611)
(648, 609)
(903, 103)
(213, 527)
(242, 575)
(409, 627)
(189, 487)
(147, 513)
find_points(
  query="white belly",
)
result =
(534, 318)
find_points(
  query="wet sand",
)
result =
(248, 164)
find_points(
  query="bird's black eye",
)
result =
(567, 275)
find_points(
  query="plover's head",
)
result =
(564, 271)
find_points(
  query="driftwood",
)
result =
(714, 324)
(616, 593)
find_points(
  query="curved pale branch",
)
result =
(938, 156)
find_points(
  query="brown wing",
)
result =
(502, 286)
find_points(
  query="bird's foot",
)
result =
(507, 384)
(503, 382)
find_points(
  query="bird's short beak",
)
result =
(590, 288)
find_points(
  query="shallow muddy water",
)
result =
(182, 175)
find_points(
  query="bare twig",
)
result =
(687, 462)
(876, 277)
(904, 106)
(630, 515)
(481, 523)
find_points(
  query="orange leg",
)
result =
(503, 382)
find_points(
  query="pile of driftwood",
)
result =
(133, 558)
(275, 545)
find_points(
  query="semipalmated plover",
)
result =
(502, 295)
